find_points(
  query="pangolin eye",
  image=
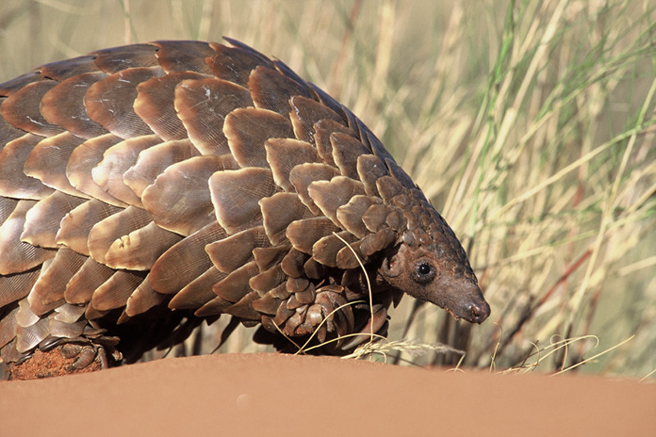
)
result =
(424, 272)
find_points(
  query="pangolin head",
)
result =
(429, 263)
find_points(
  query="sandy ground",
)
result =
(267, 394)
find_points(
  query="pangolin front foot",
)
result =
(63, 359)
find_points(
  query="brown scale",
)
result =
(146, 188)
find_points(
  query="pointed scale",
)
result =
(283, 154)
(202, 106)
(186, 214)
(185, 261)
(110, 102)
(154, 104)
(81, 163)
(64, 106)
(154, 160)
(43, 220)
(51, 285)
(117, 159)
(13, 180)
(15, 255)
(47, 162)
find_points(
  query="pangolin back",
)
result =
(148, 187)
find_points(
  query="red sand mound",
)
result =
(267, 394)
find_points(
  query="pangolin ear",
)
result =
(394, 263)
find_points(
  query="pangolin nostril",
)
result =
(480, 312)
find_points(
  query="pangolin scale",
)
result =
(149, 187)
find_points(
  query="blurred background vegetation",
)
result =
(530, 125)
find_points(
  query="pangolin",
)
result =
(149, 187)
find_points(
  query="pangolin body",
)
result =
(148, 187)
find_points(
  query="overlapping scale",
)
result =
(47, 162)
(140, 249)
(272, 90)
(154, 104)
(141, 300)
(86, 280)
(15, 255)
(50, 286)
(183, 56)
(14, 182)
(283, 154)
(236, 195)
(68, 68)
(304, 233)
(43, 220)
(155, 160)
(185, 214)
(323, 131)
(330, 195)
(236, 285)
(185, 261)
(248, 129)
(303, 175)
(308, 112)
(104, 233)
(117, 159)
(64, 106)
(116, 59)
(230, 253)
(82, 162)
(8, 328)
(115, 291)
(235, 64)
(110, 102)
(197, 103)
(76, 226)
(16, 286)
(198, 292)
(278, 211)
(22, 109)
(350, 215)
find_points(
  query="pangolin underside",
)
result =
(146, 188)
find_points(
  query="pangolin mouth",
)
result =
(452, 313)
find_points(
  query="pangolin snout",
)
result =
(479, 312)
(462, 297)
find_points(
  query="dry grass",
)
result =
(530, 125)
